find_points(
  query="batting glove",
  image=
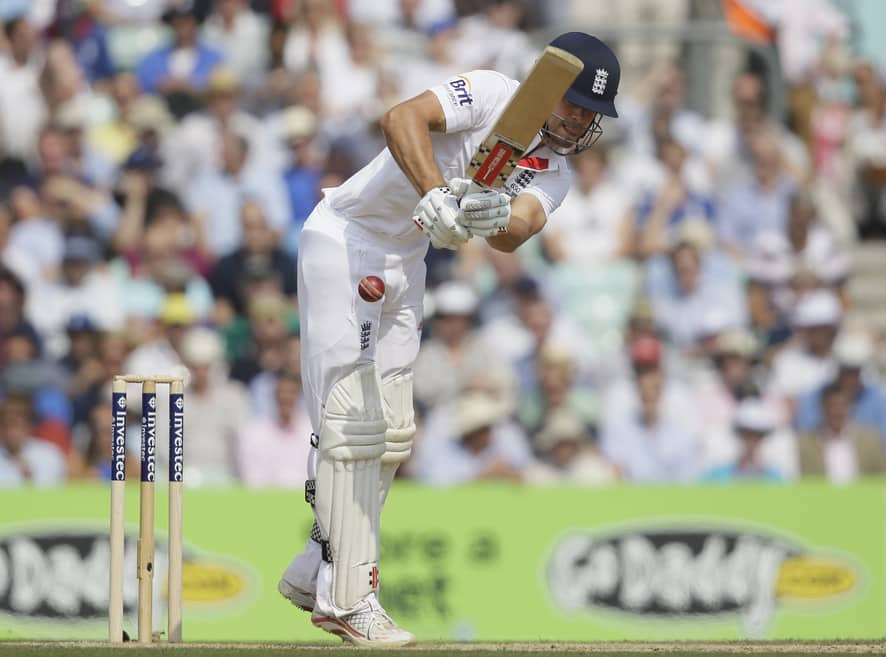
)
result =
(484, 212)
(437, 215)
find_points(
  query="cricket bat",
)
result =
(522, 118)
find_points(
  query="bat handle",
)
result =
(474, 187)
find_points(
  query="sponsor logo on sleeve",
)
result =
(520, 180)
(460, 91)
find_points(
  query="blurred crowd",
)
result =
(683, 317)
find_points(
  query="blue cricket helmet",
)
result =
(596, 86)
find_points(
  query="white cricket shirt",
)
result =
(382, 199)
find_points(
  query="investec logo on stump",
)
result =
(118, 469)
(149, 435)
(177, 420)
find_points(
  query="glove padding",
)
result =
(485, 212)
(437, 215)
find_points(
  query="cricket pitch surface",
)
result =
(626, 649)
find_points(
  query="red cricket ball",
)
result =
(371, 288)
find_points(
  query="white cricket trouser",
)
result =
(339, 330)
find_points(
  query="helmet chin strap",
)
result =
(564, 146)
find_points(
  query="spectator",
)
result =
(618, 368)
(216, 195)
(154, 221)
(813, 244)
(807, 361)
(12, 306)
(518, 335)
(84, 288)
(232, 271)
(804, 258)
(316, 41)
(217, 410)
(754, 423)
(759, 204)
(456, 352)
(355, 92)
(24, 459)
(261, 388)
(159, 351)
(483, 445)
(866, 147)
(275, 86)
(241, 35)
(853, 353)
(729, 145)
(135, 120)
(36, 242)
(400, 26)
(439, 62)
(676, 196)
(729, 379)
(168, 259)
(88, 37)
(84, 162)
(195, 144)
(75, 207)
(182, 67)
(26, 373)
(556, 392)
(645, 351)
(770, 327)
(663, 111)
(303, 174)
(61, 79)
(491, 38)
(91, 460)
(590, 226)
(22, 107)
(700, 286)
(85, 372)
(839, 449)
(259, 344)
(273, 451)
(647, 446)
(568, 454)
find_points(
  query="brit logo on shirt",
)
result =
(600, 77)
(460, 91)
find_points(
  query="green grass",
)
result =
(758, 649)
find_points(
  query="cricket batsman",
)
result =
(361, 280)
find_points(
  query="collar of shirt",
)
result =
(539, 157)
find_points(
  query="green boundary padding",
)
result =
(482, 563)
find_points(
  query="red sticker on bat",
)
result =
(496, 160)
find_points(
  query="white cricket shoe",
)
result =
(301, 598)
(368, 627)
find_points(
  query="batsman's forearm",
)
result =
(527, 218)
(409, 140)
(519, 230)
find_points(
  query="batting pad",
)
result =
(350, 446)
(399, 413)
